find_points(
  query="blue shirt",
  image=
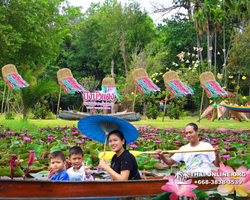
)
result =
(62, 176)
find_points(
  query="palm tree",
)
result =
(37, 89)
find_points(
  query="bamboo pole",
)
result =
(201, 105)
(3, 97)
(58, 103)
(164, 109)
(133, 106)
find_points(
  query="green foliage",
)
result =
(175, 107)
(9, 115)
(153, 106)
(31, 31)
(41, 110)
(106, 32)
(37, 89)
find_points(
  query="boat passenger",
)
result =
(123, 163)
(57, 163)
(79, 171)
(198, 161)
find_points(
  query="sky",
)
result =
(145, 4)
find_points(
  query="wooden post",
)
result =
(58, 103)
(3, 97)
(201, 105)
(133, 106)
(112, 68)
(164, 110)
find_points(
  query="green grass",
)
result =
(204, 123)
(33, 125)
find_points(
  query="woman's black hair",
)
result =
(120, 135)
(193, 125)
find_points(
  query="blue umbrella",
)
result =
(97, 127)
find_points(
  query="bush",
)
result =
(153, 107)
(175, 107)
(41, 111)
(9, 115)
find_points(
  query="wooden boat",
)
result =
(71, 115)
(28, 189)
(245, 109)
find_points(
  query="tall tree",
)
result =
(31, 31)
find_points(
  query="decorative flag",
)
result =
(176, 87)
(108, 85)
(68, 83)
(13, 79)
(143, 82)
(211, 86)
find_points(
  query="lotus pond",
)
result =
(235, 146)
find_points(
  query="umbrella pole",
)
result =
(58, 103)
(104, 148)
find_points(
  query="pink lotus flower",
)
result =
(11, 133)
(27, 139)
(225, 156)
(158, 141)
(227, 148)
(179, 190)
(84, 136)
(133, 146)
(22, 134)
(26, 130)
(177, 142)
(79, 142)
(227, 143)
(241, 189)
(40, 129)
(50, 138)
(157, 156)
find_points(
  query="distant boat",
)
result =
(40, 189)
(72, 115)
(245, 109)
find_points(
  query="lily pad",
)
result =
(6, 172)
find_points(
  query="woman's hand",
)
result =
(103, 164)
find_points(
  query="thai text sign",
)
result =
(91, 98)
(98, 96)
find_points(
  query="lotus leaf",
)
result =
(4, 163)
(6, 172)
(55, 148)
(33, 169)
(24, 155)
(44, 161)
(161, 166)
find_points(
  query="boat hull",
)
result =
(245, 109)
(98, 189)
(70, 115)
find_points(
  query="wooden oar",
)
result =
(110, 154)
